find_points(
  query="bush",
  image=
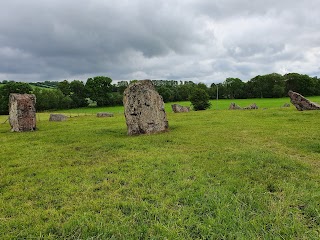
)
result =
(51, 99)
(11, 87)
(199, 99)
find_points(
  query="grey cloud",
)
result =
(192, 39)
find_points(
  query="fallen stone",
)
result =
(302, 103)
(252, 106)
(286, 105)
(234, 106)
(104, 114)
(55, 117)
(22, 112)
(144, 109)
(178, 108)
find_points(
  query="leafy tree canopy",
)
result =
(200, 99)
(99, 89)
(11, 87)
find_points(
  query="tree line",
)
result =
(101, 91)
(272, 85)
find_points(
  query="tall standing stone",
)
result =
(144, 109)
(301, 103)
(22, 112)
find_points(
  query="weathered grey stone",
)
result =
(22, 112)
(301, 103)
(144, 109)
(55, 117)
(286, 105)
(252, 106)
(178, 108)
(234, 106)
(104, 114)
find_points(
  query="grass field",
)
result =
(216, 174)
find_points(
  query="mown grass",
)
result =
(221, 104)
(247, 174)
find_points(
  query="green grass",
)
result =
(221, 104)
(217, 174)
(33, 86)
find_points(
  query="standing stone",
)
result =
(56, 117)
(22, 112)
(234, 106)
(144, 109)
(104, 114)
(301, 103)
(178, 108)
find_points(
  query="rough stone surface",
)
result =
(286, 105)
(104, 114)
(22, 112)
(234, 106)
(178, 108)
(301, 103)
(55, 117)
(252, 106)
(144, 109)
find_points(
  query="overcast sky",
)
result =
(198, 40)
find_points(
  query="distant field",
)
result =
(34, 86)
(216, 174)
(221, 104)
(42, 87)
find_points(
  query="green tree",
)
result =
(275, 85)
(217, 88)
(278, 91)
(257, 86)
(116, 99)
(48, 99)
(234, 87)
(317, 86)
(166, 93)
(300, 83)
(202, 86)
(64, 87)
(11, 87)
(78, 94)
(122, 85)
(184, 90)
(200, 99)
(99, 89)
(212, 91)
(266, 86)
